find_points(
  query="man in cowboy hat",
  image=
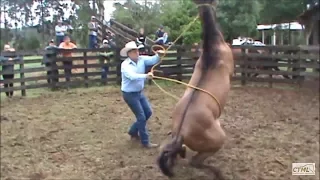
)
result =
(133, 79)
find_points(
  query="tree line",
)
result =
(37, 24)
(236, 18)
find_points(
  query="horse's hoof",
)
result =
(183, 152)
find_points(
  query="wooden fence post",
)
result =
(179, 62)
(104, 81)
(54, 76)
(243, 66)
(271, 52)
(85, 62)
(22, 84)
(118, 65)
(300, 78)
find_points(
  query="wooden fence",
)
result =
(270, 64)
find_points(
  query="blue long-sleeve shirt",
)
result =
(133, 74)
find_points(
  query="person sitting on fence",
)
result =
(141, 42)
(141, 39)
(60, 30)
(8, 69)
(66, 44)
(133, 79)
(49, 62)
(93, 32)
(159, 32)
(162, 40)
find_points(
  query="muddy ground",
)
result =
(81, 134)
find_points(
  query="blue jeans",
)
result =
(92, 41)
(59, 39)
(140, 106)
(104, 73)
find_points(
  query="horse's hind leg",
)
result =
(197, 161)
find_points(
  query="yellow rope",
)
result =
(174, 80)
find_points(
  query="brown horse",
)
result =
(195, 117)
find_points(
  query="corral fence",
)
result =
(270, 64)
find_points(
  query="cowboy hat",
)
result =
(105, 41)
(128, 47)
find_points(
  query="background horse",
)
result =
(195, 118)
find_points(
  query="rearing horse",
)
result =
(195, 117)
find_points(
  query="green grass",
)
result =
(31, 57)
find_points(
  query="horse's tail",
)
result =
(168, 155)
(211, 36)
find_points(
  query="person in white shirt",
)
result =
(60, 32)
(93, 32)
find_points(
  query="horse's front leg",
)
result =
(197, 161)
(183, 151)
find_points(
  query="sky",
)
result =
(108, 4)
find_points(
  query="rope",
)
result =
(174, 80)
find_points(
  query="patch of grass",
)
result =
(31, 57)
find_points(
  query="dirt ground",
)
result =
(81, 134)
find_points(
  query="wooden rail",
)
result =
(130, 33)
(270, 64)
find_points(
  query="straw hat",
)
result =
(128, 47)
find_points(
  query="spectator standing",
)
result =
(67, 64)
(105, 59)
(51, 65)
(8, 69)
(93, 32)
(60, 30)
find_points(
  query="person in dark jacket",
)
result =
(48, 61)
(8, 69)
(159, 33)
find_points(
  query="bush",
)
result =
(29, 43)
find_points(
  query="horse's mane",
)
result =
(211, 37)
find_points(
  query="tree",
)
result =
(49, 11)
(176, 16)
(135, 15)
(283, 11)
(238, 18)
